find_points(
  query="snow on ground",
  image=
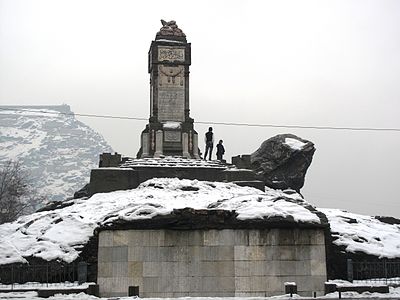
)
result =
(393, 294)
(364, 233)
(60, 233)
(52, 145)
(175, 162)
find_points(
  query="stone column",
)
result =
(159, 144)
(145, 144)
(185, 145)
(195, 146)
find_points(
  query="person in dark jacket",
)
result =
(209, 140)
(220, 150)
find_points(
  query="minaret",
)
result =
(170, 129)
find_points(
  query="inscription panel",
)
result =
(171, 104)
(171, 54)
(172, 136)
(171, 93)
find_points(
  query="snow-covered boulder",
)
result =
(283, 160)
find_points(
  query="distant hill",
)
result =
(57, 149)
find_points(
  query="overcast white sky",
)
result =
(321, 63)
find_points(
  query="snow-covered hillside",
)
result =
(60, 233)
(359, 233)
(56, 149)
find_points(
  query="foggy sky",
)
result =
(311, 63)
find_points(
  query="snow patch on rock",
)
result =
(294, 144)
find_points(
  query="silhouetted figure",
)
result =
(209, 139)
(220, 150)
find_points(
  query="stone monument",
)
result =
(170, 130)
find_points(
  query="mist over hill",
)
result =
(56, 149)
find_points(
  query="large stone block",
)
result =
(136, 253)
(302, 237)
(110, 286)
(151, 269)
(318, 252)
(105, 254)
(119, 254)
(283, 252)
(318, 267)
(135, 269)
(243, 268)
(216, 253)
(287, 268)
(176, 238)
(275, 284)
(156, 238)
(106, 238)
(195, 284)
(258, 284)
(150, 285)
(243, 284)
(210, 262)
(152, 253)
(105, 269)
(303, 252)
(195, 268)
(196, 238)
(317, 237)
(180, 253)
(303, 267)
(120, 238)
(241, 237)
(226, 284)
(120, 269)
(219, 237)
(286, 237)
(217, 268)
(137, 238)
(263, 237)
(106, 180)
(166, 253)
(250, 253)
(180, 284)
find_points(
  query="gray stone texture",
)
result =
(280, 165)
(178, 263)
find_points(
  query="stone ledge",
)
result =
(190, 219)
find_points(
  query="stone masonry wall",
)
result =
(229, 262)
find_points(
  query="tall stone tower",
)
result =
(170, 129)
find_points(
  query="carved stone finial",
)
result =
(170, 31)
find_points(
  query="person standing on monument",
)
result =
(209, 139)
(220, 150)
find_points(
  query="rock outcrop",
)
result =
(282, 161)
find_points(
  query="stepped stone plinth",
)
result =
(127, 173)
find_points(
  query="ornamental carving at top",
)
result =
(170, 31)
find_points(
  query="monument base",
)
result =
(169, 139)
